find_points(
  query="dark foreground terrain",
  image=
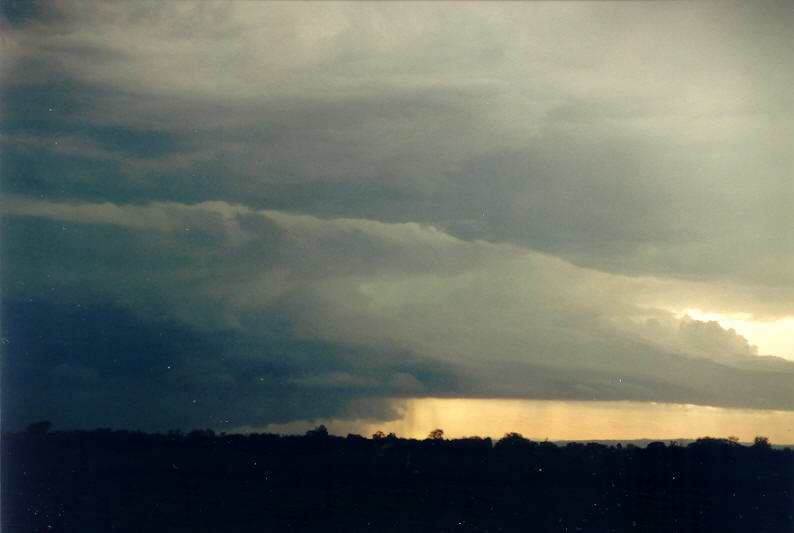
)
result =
(102, 481)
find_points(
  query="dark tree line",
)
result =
(105, 480)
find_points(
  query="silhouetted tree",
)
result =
(319, 432)
(436, 434)
(512, 441)
(710, 485)
(761, 442)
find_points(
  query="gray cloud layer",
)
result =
(334, 311)
(375, 200)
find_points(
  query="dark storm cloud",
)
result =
(241, 310)
(151, 316)
(356, 202)
(93, 363)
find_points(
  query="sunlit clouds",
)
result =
(770, 337)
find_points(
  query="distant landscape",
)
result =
(105, 480)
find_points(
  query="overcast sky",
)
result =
(228, 214)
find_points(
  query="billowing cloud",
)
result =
(338, 311)
(361, 202)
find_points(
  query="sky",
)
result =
(262, 214)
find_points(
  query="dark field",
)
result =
(101, 481)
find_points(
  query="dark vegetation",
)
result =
(103, 480)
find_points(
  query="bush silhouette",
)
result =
(436, 434)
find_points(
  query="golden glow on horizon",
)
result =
(771, 337)
(565, 420)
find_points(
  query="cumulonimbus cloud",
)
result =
(497, 320)
(279, 205)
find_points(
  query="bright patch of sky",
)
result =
(563, 420)
(771, 336)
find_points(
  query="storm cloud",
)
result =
(242, 214)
